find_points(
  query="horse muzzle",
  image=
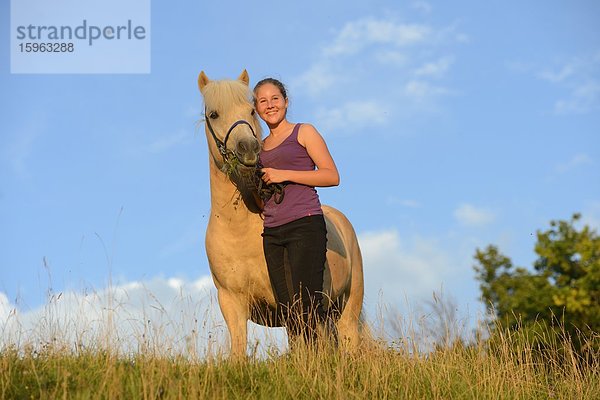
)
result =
(247, 150)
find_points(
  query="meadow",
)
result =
(506, 365)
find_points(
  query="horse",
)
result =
(233, 236)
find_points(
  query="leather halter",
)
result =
(222, 144)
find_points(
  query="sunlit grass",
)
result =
(499, 365)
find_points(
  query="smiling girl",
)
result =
(294, 235)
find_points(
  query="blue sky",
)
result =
(454, 125)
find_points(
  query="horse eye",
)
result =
(213, 115)
(253, 112)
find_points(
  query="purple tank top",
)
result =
(299, 200)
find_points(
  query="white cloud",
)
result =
(402, 269)
(391, 57)
(5, 308)
(583, 98)
(169, 316)
(590, 215)
(436, 68)
(420, 90)
(577, 161)
(556, 77)
(422, 6)
(357, 35)
(470, 215)
(578, 78)
(410, 203)
(352, 116)
(177, 316)
(318, 78)
(380, 58)
(404, 274)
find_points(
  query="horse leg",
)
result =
(235, 311)
(349, 322)
(348, 327)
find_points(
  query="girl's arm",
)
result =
(326, 173)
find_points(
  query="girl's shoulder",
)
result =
(308, 133)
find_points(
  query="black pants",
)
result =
(295, 254)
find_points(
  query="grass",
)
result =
(95, 352)
(453, 371)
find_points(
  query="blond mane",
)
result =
(229, 95)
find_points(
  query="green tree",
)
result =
(564, 284)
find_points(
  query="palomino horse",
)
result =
(233, 237)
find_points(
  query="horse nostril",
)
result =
(248, 147)
(242, 148)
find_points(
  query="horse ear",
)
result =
(244, 77)
(202, 80)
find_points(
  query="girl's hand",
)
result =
(272, 175)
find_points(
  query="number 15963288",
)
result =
(46, 47)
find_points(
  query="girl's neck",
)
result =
(281, 128)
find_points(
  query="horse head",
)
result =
(232, 127)
(233, 133)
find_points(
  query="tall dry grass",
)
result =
(497, 365)
(305, 373)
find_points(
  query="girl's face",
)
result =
(270, 104)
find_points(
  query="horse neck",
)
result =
(224, 197)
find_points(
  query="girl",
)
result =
(294, 236)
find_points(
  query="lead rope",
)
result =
(266, 190)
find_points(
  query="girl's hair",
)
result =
(272, 81)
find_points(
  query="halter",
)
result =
(265, 191)
(222, 145)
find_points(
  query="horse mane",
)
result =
(223, 95)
